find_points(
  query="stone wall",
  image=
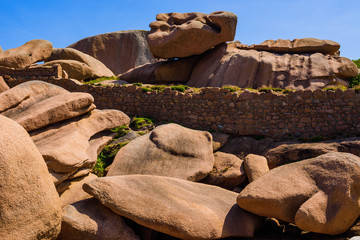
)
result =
(32, 73)
(296, 114)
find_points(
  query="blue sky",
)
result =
(64, 22)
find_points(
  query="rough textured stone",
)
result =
(89, 219)
(228, 65)
(29, 203)
(65, 147)
(53, 109)
(177, 207)
(171, 71)
(1, 50)
(319, 195)
(21, 97)
(219, 140)
(255, 166)
(302, 45)
(3, 85)
(27, 54)
(119, 51)
(169, 150)
(187, 34)
(77, 64)
(74, 191)
(289, 153)
(228, 171)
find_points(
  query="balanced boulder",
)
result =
(255, 166)
(29, 204)
(177, 207)
(119, 51)
(319, 195)
(186, 34)
(77, 64)
(169, 150)
(27, 54)
(226, 64)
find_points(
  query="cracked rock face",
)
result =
(187, 34)
(169, 150)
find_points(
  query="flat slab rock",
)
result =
(177, 207)
(169, 150)
(319, 195)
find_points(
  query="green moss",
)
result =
(121, 131)
(180, 88)
(97, 81)
(141, 123)
(333, 88)
(159, 88)
(231, 88)
(106, 158)
(145, 89)
(268, 89)
(137, 84)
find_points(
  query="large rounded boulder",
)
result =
(29, 204)
(319, 195)
(169, 150)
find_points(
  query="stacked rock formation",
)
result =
(75, 64)
(63, 125)
(206, 60)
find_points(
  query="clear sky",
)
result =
(66, 21)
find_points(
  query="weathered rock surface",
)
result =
(89, 219)
(1, 50)
(219, 140)
(29, 203)
(74, 191)
(228, 171)
(3, 85)
(187, 34)
(177, 207)
(171, 71)
(319, 195)
(21, 97)
(169, 150)
(285, 153)
(255, 166)
(65, 147)
(119, 51)
(54, 109)
(302, 45)
(77, 64)
(228, 65)
(27, 54)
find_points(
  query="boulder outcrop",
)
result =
(27, 54)
(318, 195)
(78, 65)
(177, 207)
(228, 65)
(119, 51)
(186, 34)
(169, 150)
(29, 204)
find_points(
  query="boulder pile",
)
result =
(197, 54)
